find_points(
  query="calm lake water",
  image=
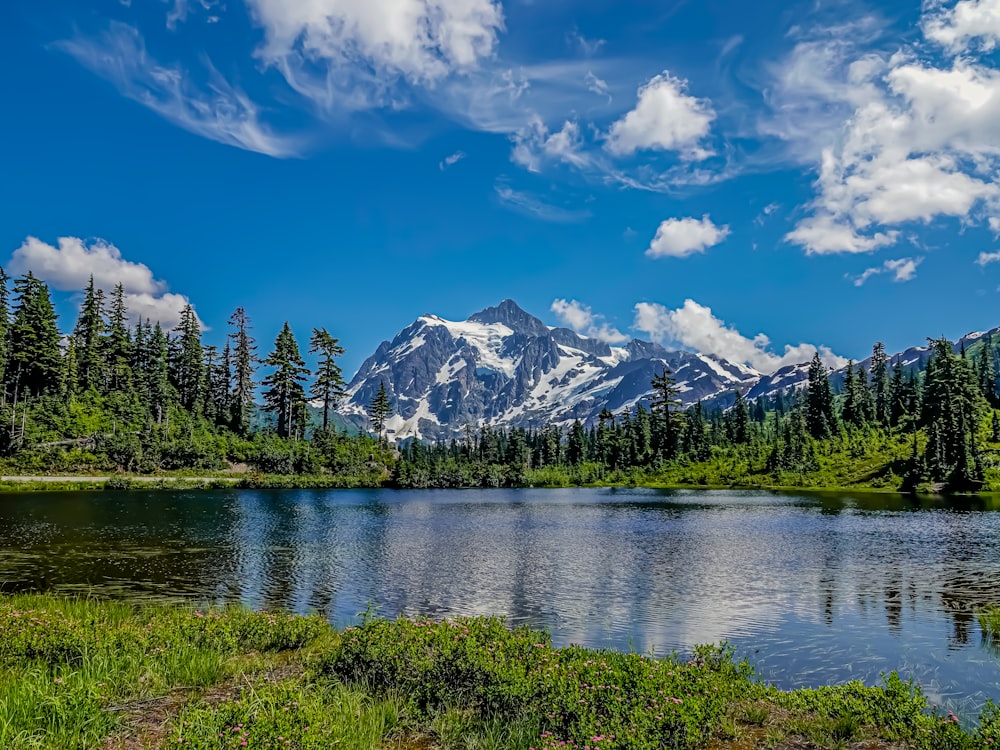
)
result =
(813, 589)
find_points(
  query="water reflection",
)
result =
(813, 588)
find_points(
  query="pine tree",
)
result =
(576, 447)
(880, 388)
(118, 344)
(87, 337)
(329, 386)
(285, 396)
(741, 420)
(986, 373)
(850, 411)
(820, 419)
(4, 325)
(380, 409)
(244, 350)
(187, 365)
(158, 385)
(995, 428)
(665, 399)
(36, 360)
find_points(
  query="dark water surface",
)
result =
(814, 589)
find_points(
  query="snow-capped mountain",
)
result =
(505, 367)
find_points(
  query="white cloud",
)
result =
(954, 28)
(587, 46)
(902, 269)
(665, 118)
(69, 267)
(694, 326)
(218, 111)
(597, 85)
(581, 319)
(351, 52)
(985, 259)
(678, 238)
(534, 145)
(451, 160)
(895, 139)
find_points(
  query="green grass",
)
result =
(76, 673)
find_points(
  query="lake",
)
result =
(813, 589)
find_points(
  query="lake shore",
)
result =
(86, 673)
(189, 481)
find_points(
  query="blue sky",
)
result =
(752, 180)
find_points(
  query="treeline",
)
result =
(111, 395)
(887, 427)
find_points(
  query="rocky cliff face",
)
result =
(503, 366)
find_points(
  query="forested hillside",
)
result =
(109, 395)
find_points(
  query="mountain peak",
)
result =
(511, 315)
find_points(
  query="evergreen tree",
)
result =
(118, 344)
(897, 396)
(36, 361)
(158, 385)
(850, 411)
(576, 448)
(820, 419)
(87, 337)
(187, 366)
(665, 399)
(380, 409)
(995, 428)
(4, 325)
(244, 350)
(741, 420)
(986, 372)
(285, 396)
(329, 386)
(951, 406)
(880, 387)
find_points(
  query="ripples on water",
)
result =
(814, 589)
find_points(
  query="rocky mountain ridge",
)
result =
(505, 367)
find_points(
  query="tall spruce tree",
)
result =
(87, 335)
(665, 401)
(244, 358)
(118, 344)
(284, 395)
(380, 409)
(329, 386)
(187, 367)
(36, 360)
(820, 419)
(880, 388)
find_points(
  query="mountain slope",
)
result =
(505, 367)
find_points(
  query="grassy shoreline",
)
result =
(108, 675)
(188, 481)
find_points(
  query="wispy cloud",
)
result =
(451, 160)
(532, 205)
(218, 110)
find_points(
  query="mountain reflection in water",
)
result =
(812, 588)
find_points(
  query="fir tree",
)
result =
(187, 365)
(36, 361)
(285, 396)
(880, 387)
(329, 386)
(244, 355)
(986, 372)
(380, 409)
(741, 420)
(118, 343)
(820, 419)
(87, 337)
(665, 400)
